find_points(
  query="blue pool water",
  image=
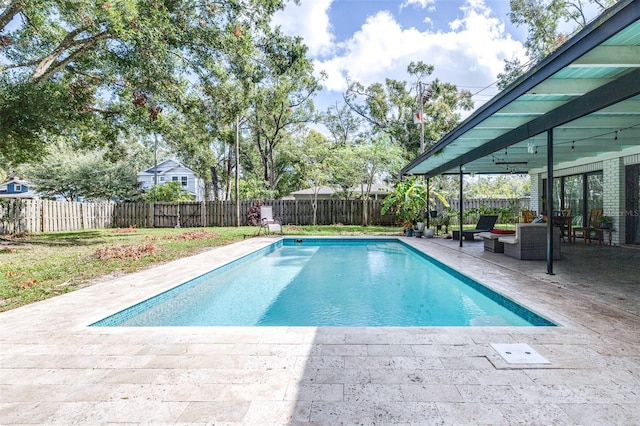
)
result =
(329, 282)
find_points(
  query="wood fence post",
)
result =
(150, 215)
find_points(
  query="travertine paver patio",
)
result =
(56, 370)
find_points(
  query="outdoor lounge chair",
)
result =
(528, 216)
(267, 222)
(485, 224)
(593, 227)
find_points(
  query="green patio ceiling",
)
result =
(588, 92)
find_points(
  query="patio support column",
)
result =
(461, 213)
(550, 201)
(428, 205)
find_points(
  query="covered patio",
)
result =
(574, 119)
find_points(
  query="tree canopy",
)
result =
(389, 107)
(107, 65)
(85, 85)
(546, 22)
(87, 175)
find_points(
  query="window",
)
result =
(573, 197)
(580, 193)
(161, 178)
(182, 179)
(594, 192)
(17, 187)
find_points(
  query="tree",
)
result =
(312, 156)
(265, 91)
(382, 159)
(347, 171)
(502, 186)
(282, 102)
(86, 175)
(409, 201)
(389, 108)
(110, 65)
(342, 124)
(543, 19)
(372, 160)
(167, 192)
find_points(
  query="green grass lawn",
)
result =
(39, 266)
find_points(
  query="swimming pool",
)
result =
(329, 282)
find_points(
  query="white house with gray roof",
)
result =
(173, 171)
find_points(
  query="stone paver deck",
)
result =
(56, 370)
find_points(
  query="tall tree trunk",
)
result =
(207, 190)
(215, 182)
(365, 211)
(263, 157)
(314, 205)
(229, 161)
(272, 172)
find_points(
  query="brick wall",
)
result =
(536, 192)
(613, 198)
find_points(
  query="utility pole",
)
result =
(155, 159)
(421, 100)
(237, 188)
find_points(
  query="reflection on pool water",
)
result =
(329, 282)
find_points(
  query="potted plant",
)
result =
(408, 199)
(418, 229)
(606, 222)
(445, 218)
(437, 221)
(407, 228)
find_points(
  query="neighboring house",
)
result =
(378, 192)
(173, 171)
(17, 188)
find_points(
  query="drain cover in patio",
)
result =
(519, 353)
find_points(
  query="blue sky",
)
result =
(369, 40)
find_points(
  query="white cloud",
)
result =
(470, 54)
(310, 20)
(423, 4)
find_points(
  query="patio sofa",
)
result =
(530, 242)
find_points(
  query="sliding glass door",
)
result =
(574, 195)
(593, 194)
(580, 193)
(632, 204)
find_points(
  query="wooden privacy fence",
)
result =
(17, 216)
(223, 213)
(498, 203)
